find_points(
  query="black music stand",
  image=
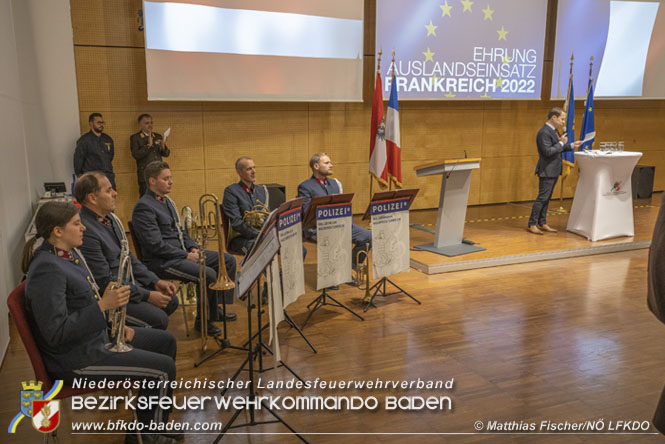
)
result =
(379, 287)
(254, 268)
(271, 220)
(308, 221)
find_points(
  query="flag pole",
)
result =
(371, 179)
(390, 179)
(565, 110)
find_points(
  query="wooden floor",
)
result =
(564, 340)
(501, 230)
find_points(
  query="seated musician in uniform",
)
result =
(168, 250)
(101, 247)
(321, 184)
(241, 198)
(68, 318)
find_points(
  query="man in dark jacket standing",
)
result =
(548, 169)
(656, 292)
(94, 150)
(146, 147)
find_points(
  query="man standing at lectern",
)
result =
(548, 169)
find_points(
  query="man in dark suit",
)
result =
(152, 299)
(321, 184)
(146, 147)
(168, 250)
(240, 198)
(656, 292)
(550, 146)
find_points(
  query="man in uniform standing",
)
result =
(146, 147)
(94, 150)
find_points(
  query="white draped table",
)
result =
(603, 204)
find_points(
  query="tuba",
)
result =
(118, 315)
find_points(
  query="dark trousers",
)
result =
(659, 415)
(153, 358)
(243, 244)
(539, 210)
(154, 316)
(186, 270)
(360, 237)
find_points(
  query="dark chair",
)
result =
(182, 288)
(16, 303)
(225, 228)
(135, 241)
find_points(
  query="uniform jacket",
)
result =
(68, 325)
(549, 152)
(155, 224)
(311, 188)
(144, 153)
(94, 154)
(237, 202)
(101, 249)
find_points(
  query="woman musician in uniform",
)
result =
(68, 320)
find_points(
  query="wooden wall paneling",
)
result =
(114, 79)
(106, 22)
(445, 134)
(271, 138)
(512, 132)
(185, 141)
(188, 186)
(508, 179)
(342, 132)
(638, 128)
(128, 195)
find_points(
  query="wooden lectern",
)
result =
(455, 181)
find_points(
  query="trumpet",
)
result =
(362, 273)
(211, 220)
(118, 315)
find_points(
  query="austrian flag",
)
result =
(377, 137)
(393, 150)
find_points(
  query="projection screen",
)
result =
(451, 49)
(254, 50)
(626, 40)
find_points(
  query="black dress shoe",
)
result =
(213, 330)
(334, 287)
(229, 316)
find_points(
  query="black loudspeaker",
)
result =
(642, 181)
(276, 195)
